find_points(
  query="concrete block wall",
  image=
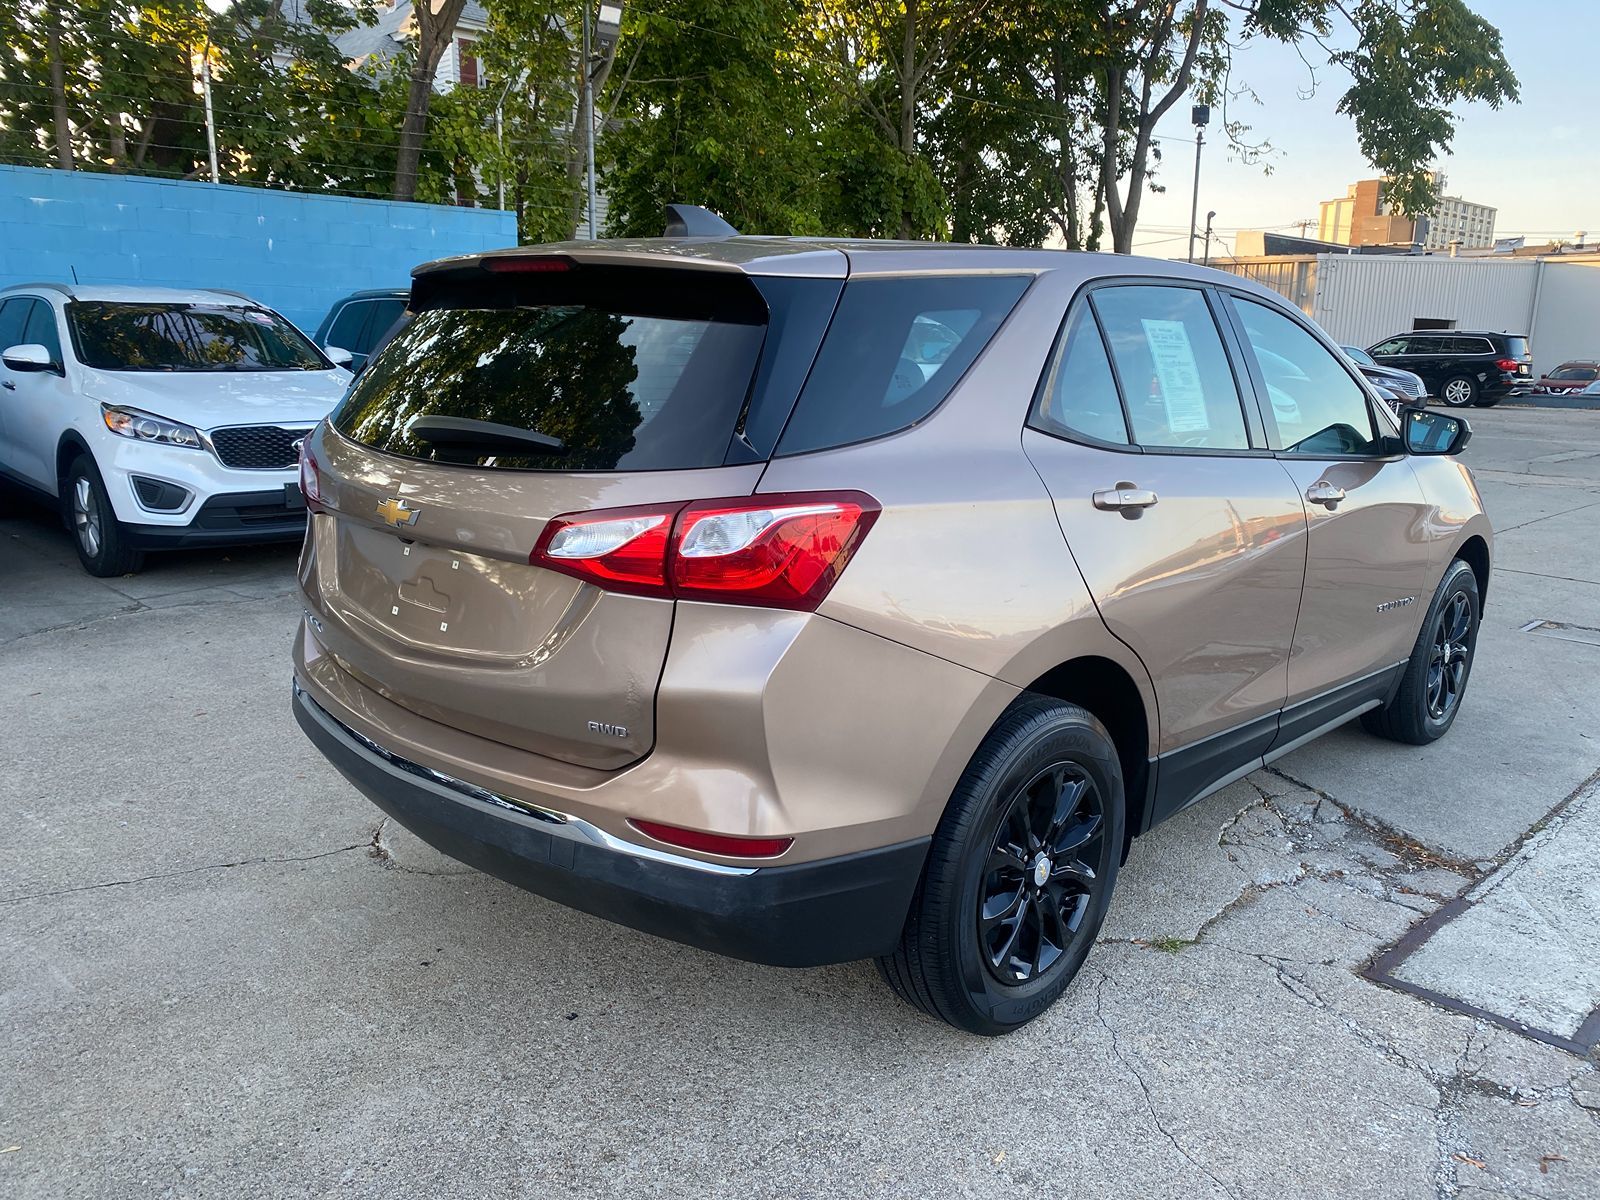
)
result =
(296, 252)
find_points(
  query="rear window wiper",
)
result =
(467, 436)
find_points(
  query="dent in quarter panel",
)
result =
(799, 725)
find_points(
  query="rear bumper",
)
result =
(830, 910)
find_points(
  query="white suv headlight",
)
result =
(147, 427)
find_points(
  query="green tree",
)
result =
(711, 104)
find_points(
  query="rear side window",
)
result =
(893, 352)
(1078, 395)
(637, 371)
(383, 315)
(1174, 372)
(348, 326)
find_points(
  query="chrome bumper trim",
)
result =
(557, 824)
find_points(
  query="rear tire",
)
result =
(1459, 391)
(1019, 874)
(1435, 677)
(101, 540)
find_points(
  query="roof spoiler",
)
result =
(690, 220)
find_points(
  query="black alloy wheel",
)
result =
(1043, 869)
(1019, 874)
(1428, 696)
(1452, 653)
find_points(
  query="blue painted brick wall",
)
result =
(296, 252)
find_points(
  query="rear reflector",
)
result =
(714, 843)
(774, 551)
(526, 262)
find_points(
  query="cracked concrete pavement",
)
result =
(222, 973)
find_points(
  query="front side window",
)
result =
(1317, 407)
(188, 337)
(1174, 372)
(1078, 395)
(41, 329)
(13, 320)
(1392, 346)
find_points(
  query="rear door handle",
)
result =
(1323, 492)
(1127, 498)
(8, 385)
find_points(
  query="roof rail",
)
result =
(690, 220)
(231, 292)
(54, 287)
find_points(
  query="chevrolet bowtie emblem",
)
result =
(394, 512)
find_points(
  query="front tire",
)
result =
(1459, 391)
(1019, 874)
(102, 541)
(1435, 678)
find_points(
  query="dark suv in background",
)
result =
(1461, 367)
(360, 322)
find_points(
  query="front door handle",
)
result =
(1323, 492)
(1127, 498)
(8, 385)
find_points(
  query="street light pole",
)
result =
(588, 117)
(1200, 115)
(1209, 217)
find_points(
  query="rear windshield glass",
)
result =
(1517, 347)
(894, 350)
(620, 391)
(188, 337)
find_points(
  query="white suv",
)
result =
(159, 418)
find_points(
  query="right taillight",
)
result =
(774, 551)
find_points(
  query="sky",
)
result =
(1537, 161)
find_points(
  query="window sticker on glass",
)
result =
(1178, 374)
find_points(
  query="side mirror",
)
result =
(338, 356)
(30, 356)
(1435, 432)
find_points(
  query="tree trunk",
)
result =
(1123, 216)
(58, 89)
(436, 25)
(908, 100)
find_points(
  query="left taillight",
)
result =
(310, 479)
(774, 551)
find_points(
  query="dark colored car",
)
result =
(1461, 367)
(1571, 376)
(361, 321)
(1405, 386)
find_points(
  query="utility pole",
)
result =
(211, 123)
(588, 119)
(1200, 115)
(500, 144)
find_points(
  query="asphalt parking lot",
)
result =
(221, 974)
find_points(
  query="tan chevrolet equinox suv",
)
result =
(810, 601)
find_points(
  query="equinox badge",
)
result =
(395, 513)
